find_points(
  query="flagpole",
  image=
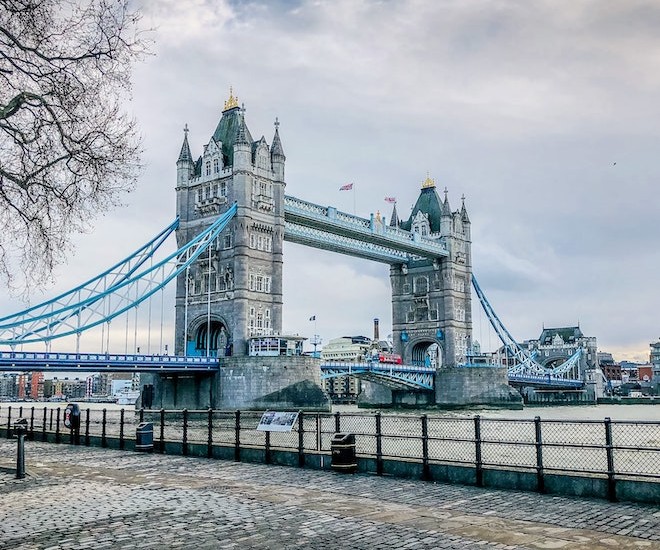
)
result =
(354, 200)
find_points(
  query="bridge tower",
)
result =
(431, 300)
(235, 290)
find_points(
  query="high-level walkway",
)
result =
(82, 497)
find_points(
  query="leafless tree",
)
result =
(68, 150)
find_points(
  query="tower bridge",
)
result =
(232, 219)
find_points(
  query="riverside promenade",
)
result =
(86, 497)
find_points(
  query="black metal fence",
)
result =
(603, 448)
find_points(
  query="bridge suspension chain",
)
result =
(525, 362)
(109, 295)
(93, 288)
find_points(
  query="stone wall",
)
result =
(271, 383)
(468, 386)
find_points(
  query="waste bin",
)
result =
(342, 446)
(144, 437)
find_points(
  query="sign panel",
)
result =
(272, 421)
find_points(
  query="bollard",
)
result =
(20, 430)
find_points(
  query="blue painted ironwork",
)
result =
(391, 375)
(95, 287)
(525, 367)
(100, 307)
(99, 362)
(330, 229)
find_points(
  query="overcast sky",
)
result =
(543, 113)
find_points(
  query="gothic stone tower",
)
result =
(234, 291)
(431, 300)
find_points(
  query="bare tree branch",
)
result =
(68, 152)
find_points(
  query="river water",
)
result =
(581, 412)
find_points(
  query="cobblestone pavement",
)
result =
(79, 497)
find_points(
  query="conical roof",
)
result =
(231, 130)
(276, 149)
(428, 203)
(185, 155)
(394, 220)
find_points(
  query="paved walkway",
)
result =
(78, 497)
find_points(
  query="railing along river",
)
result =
(601, 448)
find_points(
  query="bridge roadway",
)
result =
(21, 361)
(93, 498)
(393, 376)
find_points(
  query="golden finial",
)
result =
(428, 182)
(232, 101)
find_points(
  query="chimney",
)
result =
(376, 335)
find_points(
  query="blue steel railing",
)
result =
(403, 376)
(19, 361)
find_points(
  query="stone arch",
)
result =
(210, 336)
(426, 352)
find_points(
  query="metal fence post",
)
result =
(121, 429)
(32, 423)
(540, 480)
(9, 422)
(301, 439)
(609, 449)
(141, 414)
(43, 432)
(104, 418)
(50, 421)
(87, 428)
(426, 471)
(184, 439)
(479, 474)
(161, 446)
(267, 458)
(57, 426)
(337, 422)
(379, 445)
(237, 436)
(209, 443)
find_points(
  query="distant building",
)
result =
(347, 349)
(611, 369)
(555, 345)
(655, 362)
(8, 387)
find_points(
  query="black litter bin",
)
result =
(144, 437)
(342, 446)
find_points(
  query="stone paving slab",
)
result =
(81, 497)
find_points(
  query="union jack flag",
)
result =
(390, 199)
(346, 187)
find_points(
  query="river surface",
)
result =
(582, 412)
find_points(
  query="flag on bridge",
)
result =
(312, 318)
(390, 199)
(346, 187)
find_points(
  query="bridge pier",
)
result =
(458, 387)
(257, 383)
(179, 391)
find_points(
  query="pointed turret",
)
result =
(185, 166)
(242, 133)
(394, 220)
(445, 209)
(185, 154)
(242, 144)
(276, 150)
(464, 214)
(277, 157)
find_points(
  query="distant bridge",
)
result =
(390, 375)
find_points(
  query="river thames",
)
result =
(582, 412)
